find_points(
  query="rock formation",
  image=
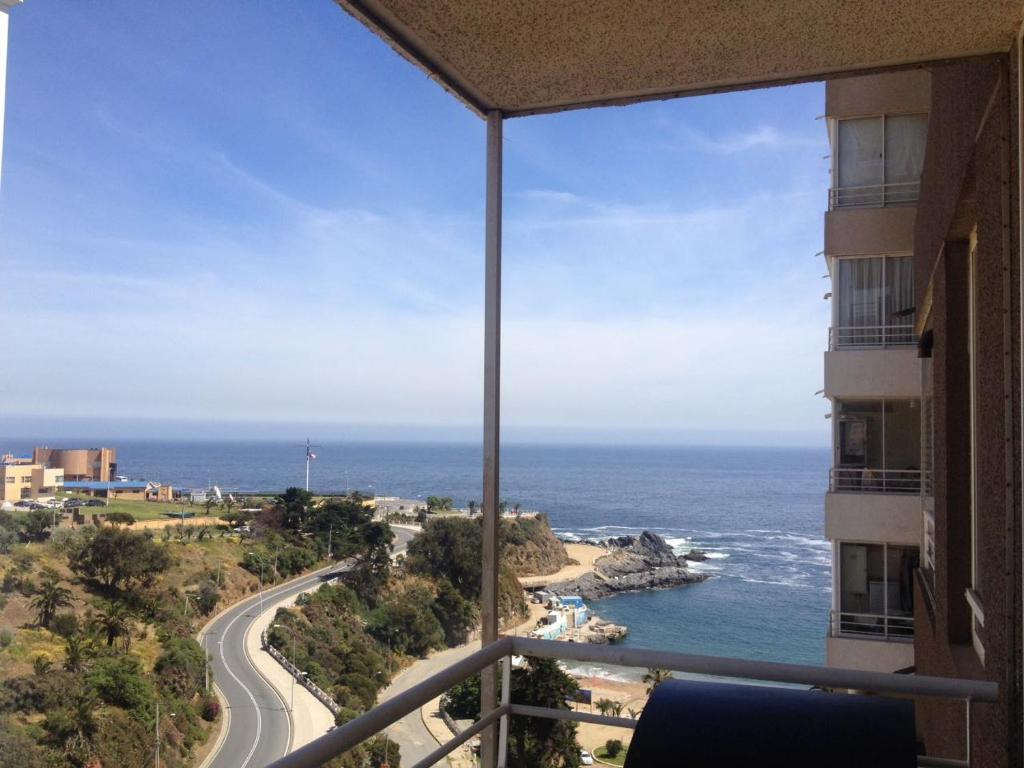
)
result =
(635, 563)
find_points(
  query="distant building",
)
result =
(129, 490)
(21, 479)
(79, 463)
(877, 126)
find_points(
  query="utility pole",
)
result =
(330, 533)
(157, 763)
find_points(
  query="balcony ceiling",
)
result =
(529, 56)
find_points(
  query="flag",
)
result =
(310, 455)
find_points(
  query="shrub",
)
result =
(65, 624)
(210, 709)
(118, 680)
(6, 638)
(613, 747)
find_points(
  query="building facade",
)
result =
(21, 480)
(877, 128)
(967, 270)
(80, 464)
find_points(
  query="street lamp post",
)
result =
(295, 667)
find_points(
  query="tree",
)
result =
(407, 624)
(74, 653)
(118, 558)
(654, 677)
(50, 598)
(455, 613)
(35, 524)
(113, 621)
(209, 504)
(439, 503)
(536, 741)
(634, 713)
(449, 547)
(120, 518)
(604, 706)
(294, 505)
(613, 747)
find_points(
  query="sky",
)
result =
(236, 219)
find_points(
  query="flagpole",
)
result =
(307, 464)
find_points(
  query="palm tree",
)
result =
(74, 654)
(634, 713)
(616, 708)
(655, 677)
(114, 621)
(50, 599)
(604, 705)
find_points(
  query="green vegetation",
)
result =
(448, 550)
(531, 741)
(612, 752)
(654, 677)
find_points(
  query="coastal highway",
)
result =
(257, 722)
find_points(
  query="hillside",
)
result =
(530, 547)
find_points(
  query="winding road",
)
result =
(258, 729)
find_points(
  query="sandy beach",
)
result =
(583, 554)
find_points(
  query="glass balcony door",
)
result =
(877, 447)
(874, 302)
(876, 590)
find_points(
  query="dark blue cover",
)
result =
(719, 725)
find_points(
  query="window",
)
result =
(10, 478)
(973, 595)
(877, 446)
(878, 160)
(876, 590)
(927, 466)
(874, 302)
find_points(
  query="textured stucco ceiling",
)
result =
(524, 56)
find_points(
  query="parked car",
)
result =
(28, 504)
(73, 503)
(586, 758)
(94, 503)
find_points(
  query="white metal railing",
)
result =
(351, 734)
(874, 195)
(870, 336)
(872, 625)
(868, 480)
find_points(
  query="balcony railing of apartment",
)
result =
(870, 336)
(876, 626)
(874, 195)
(867, 480)
(347, 736)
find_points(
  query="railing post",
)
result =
(492, 414)
(506, 700)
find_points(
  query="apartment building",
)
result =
(80, 464)
(21, 479)
(877, 127)
(967, 270)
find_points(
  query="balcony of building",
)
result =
(872, 623)
(877, 447)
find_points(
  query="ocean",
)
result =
(757, 512)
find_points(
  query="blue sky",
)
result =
(260, 216)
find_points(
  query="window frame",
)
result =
(834, 202)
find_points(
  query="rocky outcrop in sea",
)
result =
(634, 563)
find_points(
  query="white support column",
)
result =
(5, 6)
(492, 413)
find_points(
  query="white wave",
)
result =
(703, 567)
(716, 555)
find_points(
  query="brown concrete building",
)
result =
(98, 464)
(877, 128)
(968, 279)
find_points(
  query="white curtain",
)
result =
(860, 152)
(860, 293)
(899, 290)
(905, 137)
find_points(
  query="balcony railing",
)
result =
(350, 735)
(863, 480)
(874, 195)
(870, 336)
(872, 625)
